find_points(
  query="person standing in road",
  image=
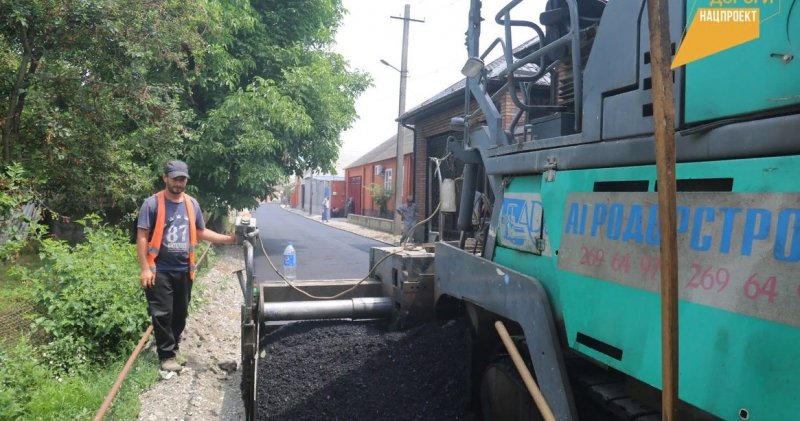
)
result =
(170, 224)
(326, 209)
(408, 213)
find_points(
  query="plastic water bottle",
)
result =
(289, 263)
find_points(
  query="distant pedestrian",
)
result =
(348, 206)
(326, 209)
(408, 213)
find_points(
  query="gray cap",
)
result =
(176, 168)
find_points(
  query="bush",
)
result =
(16, 225)
(89, 297)
(20, 375)
(381, 197)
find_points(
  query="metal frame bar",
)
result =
(517, 297)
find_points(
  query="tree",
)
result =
(96, 94)
(273, 99)
(380, 196)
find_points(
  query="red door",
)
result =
(354, 189)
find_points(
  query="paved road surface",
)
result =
(323, 252)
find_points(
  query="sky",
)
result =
(436, 53)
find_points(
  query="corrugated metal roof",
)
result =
(327, 177)
(493, 71)
(386, 150)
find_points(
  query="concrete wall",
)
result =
(378, 224)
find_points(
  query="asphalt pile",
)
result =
(340, 370)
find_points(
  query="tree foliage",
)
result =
(91, 95)
(96, 94)
(16, 226)
(380, 196)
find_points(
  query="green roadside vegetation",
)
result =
(86, 314)
(32, 392)
(95, 95)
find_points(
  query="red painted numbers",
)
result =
(699, 276)
(621, 263)
(754, 287)
(592, 257)
(649, 266)
(708, 278)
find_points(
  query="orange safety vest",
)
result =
(158, 232)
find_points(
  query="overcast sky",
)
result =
(436, 53)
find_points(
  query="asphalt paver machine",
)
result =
(570, 255)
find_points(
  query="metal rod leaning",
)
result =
(118, 383)
(135, 354)
(533, 389)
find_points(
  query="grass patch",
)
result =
(86, 313)
(31, 392)
(92, 312)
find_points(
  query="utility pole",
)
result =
(398, 191)
(664, 127)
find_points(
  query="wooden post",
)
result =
(664, 125)
(527, 377)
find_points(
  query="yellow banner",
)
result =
(716, 29)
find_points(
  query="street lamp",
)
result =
(386, 63)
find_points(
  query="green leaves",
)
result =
(19, 217)
(102, 92)
(380, 196)
(93, 309)
(279, 101)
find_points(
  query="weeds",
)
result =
(90, 312)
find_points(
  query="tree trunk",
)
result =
(17, 97)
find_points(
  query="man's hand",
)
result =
(215, 237)
(147, 279)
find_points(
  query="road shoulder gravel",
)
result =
(208, 386)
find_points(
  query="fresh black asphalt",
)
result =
(323, 252)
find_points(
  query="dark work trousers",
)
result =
(168, 305)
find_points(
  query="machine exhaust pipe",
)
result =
(354, 308)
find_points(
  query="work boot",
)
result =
(171, 365)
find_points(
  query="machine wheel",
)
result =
(503, 393)
(249, 365)
(248, 389)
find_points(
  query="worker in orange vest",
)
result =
(169, 226)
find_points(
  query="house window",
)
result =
(387, 179)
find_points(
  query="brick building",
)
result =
(432, 128)
(378, 167)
